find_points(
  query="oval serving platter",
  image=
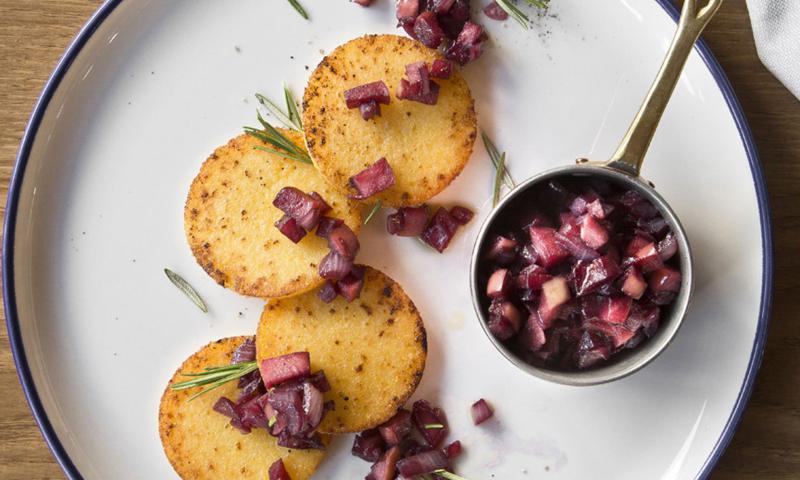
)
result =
(148, 89)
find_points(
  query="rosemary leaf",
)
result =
(284, 147)
(187, 289)
(539, 3)
(280, 153)
(434, 426)
(299, 8)
(375, 209)
(291, 107)
(284, 118)
(447, 475)
(494, 156)
(498, 179)
(514, 12)
(214, 377)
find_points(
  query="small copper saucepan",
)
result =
(622, 170)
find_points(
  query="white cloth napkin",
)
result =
(776, 27)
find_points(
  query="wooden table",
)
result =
(34, 33)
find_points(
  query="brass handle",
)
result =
(630, 153)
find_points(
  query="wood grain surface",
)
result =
(34, 34)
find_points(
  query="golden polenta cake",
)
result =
(230, 220)
(372, 350)
(201, 444)
(427, 146)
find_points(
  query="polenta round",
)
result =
(427, 146)
(372, 350)
(229, 220)
(201, 444)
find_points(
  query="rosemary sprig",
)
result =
(447, 475)
(514, 12)
(214, 377)
(434, 426)
(498, 179)
(291, 107)
(284, 147)
(375, 209)
(299, 8)
(539, 3)
(276, 112)
(187, 289)
(494, 155)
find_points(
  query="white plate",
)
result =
(150, 88)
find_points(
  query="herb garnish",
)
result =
(447, 475)
(214, 377)
(518, 14)
(285, 147)
(187, 289)
(501, 175)
(299, 8)
(375, 209)
(291, 107)
(434, 426)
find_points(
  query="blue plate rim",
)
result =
(83, 36)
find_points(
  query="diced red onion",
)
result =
(633, 284)
(284, 368)
(495, 12)
(440, 230)
(306, 209)
(417, 74)
(407, 221)
(468, 46)
(590, 276)
(504, 319)
(593, 234)
(555, 293)
(481, 411)
(462, 214)
(350, 286)
(615, 309)
(326, 224)
(407, 9)
(422, 463)
(453, 450)
(547, 247)
(427, 30)
(334, 267)
(440, 6)
(422, 414)
(591, 350)
(533, 336)
(370, 92)
(502, 250)
(343, 241)
(532, 277)
(320, 381)
(369, 110)
(667, 247)
(277, 471)
(312, 405)
(396, 428)
(368, 445)
(409, 91)
(373, 179)
(289, 227)
(245, 352)
(386, 467)
(313, 441)
(363, 3)
(441, 69)
(500, 284)
(327, 293)
(664, 283)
